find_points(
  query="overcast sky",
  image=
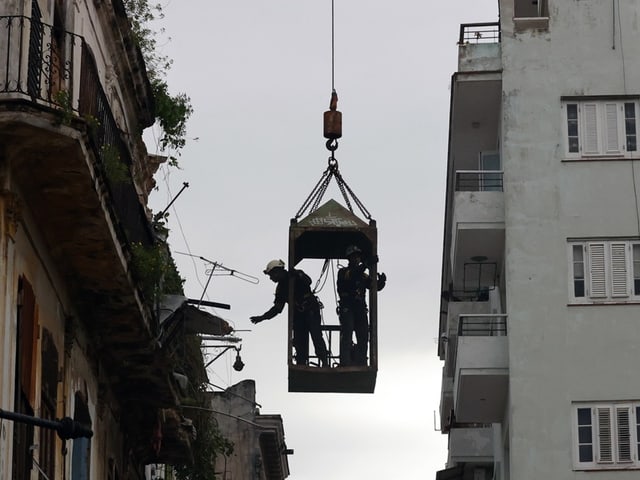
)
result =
(259, 76)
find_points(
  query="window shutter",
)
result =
(623, 423)
(605, 440)
(619, 273)
(597, 271)
(590, 112)
(612, 134)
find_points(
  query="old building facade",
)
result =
(81, 334)
(260, 451)
(541, 259)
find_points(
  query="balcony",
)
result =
(481, 369)
(462, 304)
(479, 47)
(477, 223)
(475, 198)
(60, 139)
(476, 94)
(473, 445)
(53, 72)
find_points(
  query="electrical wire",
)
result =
(624, 86)
(624, 70)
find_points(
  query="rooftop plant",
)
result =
(172, 111)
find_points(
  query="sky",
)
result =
(259, 75)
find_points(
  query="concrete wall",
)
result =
(473, 445)
(479, 57)
(239, 401)
(559, 354)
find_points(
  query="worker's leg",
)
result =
(346, 335)
(301, 340)
(361, 327)
(315, 329)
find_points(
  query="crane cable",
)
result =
(333, 53)
(332, 132)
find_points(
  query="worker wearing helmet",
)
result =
(352, 284)
(306, 318)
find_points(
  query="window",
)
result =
(530, 15)
(607, 435)
(25, 379)
(531, 8)
(604, 271)
(600, 128)
(490, 166)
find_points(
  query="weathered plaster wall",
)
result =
(559, 354)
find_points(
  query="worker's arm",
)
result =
(278, 306)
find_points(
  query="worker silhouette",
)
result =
(306, 316)
(353, 282)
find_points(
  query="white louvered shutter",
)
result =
(619, 270)
(605, 435)
(612, 131)
(623, 424)
(590, 130)
(597, 271)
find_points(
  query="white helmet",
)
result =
(273, 264)
(351, 249)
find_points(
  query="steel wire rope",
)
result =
(333, 53)
(335, 297)
(318, 288)
(323, 277)
(323, 273)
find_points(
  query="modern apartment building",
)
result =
(539, 322)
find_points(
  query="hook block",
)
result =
(332, 124)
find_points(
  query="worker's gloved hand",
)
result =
(382, 281)
(256, 319)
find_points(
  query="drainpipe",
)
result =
(66, 428)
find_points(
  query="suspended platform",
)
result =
(332, 380)
(325, 234)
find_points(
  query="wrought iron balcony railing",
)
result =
(479, 33)
(480, 325)
(37, 61)
(52, 68)
(474, 325)
(479, 181)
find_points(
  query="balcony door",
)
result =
(490, 162)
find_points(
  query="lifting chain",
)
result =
(332, 132)
(313, 200)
